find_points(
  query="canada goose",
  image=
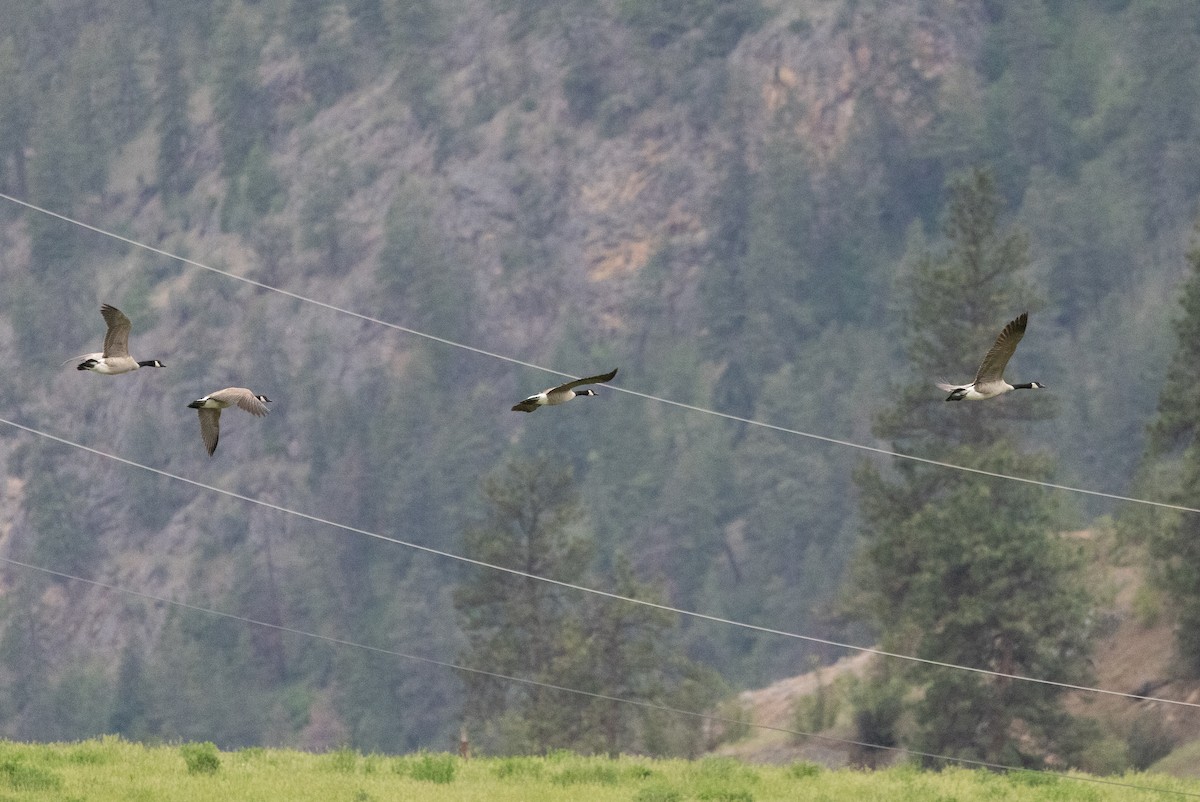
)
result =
(989, 381)
(115, 357)
(562, 393)
(210, 407)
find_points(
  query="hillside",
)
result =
(1133, 654)
(719, 197)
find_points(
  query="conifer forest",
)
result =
(782, 221)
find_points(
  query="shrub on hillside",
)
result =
(201, 758)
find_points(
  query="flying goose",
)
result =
(989, 381)
(562, 393)
(115, 357)
(210, 407)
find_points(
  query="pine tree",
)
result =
(625, 657)
(523, 627)
(173, 123)
(324, 228)
(131, 702)
(958, 568)
(421, 279)
(239, 102)
(536, 631)
(1175, 541)
(16, 120)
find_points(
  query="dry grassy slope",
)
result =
(1138, 657)
(774, 706)
(1135, 655)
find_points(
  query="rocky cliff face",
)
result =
(563, 158)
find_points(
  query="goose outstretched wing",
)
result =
(992, 368)
(116, 339)
(571, 385)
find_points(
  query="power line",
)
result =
(647, 396)
(584, 589)
(576, 691)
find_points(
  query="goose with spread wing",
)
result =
(115, 357)
(563, 393)
(210, 407)
(989, 381)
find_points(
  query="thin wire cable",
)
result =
(575, 691)
(647, 396)
(583, 589)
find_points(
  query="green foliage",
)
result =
(435, 768)
(252, 193)
(723, 769)
(587, 774)
(173, 127)
(1107, 755)
(1087, 110)
(661, 22)
(523, 627)
(67, 165)
(1088, 227)
(324, 227)
(1027, 124)
(20, 776)
(803, 770)
(878, 704)
(519, 769)
(78, 704)
(723, 780)
(423, 281)
(201, 758)
(209, 685)
(1164, 58)
(725, 795)
(956, 568)
(626, 655)
(58, 522)
(533, 630)
(1149, 740)
(738, 720)
(773, 272)
(17, 119)
(330, 58)
(583, 86)
(242, 113)
(818, 711)
(260, 185)
(92, 754)
(1174, 547)
(658, 793)
(728, 24)
(1178, 420)
(109, 66)
(343, 760)
(139, 773)
(1147, 605)
(418, 33)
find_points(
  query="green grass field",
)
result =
(116, 770)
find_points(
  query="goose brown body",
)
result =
(209, 408)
